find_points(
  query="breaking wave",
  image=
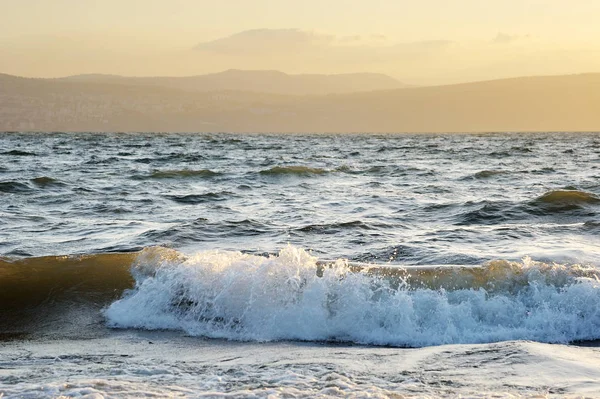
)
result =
(293, 296)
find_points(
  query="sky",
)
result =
(422, 42)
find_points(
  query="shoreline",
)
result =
(216, 367)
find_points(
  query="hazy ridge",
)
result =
(257, 81)
(112, 103)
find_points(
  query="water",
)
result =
(423, 199)
(395, 240)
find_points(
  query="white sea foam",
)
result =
(238, 296)
(141, 364)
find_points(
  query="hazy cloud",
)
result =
(504, 38)
(260, 41)
(378, 37)
(297, 51)
(426, 46)
(350, 39)
(295, 41)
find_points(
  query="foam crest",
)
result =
(293, 296)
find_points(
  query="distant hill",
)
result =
(552, 103)
(257, 81)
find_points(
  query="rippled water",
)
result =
(404, 199)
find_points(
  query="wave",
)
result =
(567, 197)
(347, 169)
(591, 225)
(489, 212)
(556, 202)
(293, 296)
(334, 228)
(501, 154)
(49, 295)
(486, 174)
(293, 170)
(564, 201)
(306, 170)
(521, 149)
(185, 173)
(97, 160)
(14, 187)
(542, 171)
(190, 231)
(378, 170)
(193, 199)
(20, 153)
(45, 181)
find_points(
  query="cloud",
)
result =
(504, 38)
(350, 39)
(299, 51)
(262, 41)
(379, 37)
(281, 42)
(424, 46)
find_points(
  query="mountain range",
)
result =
(257, 81)
(254, 103)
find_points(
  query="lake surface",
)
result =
(330, 244)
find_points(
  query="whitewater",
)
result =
(181, 265)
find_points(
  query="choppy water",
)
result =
(394, 200)
(395, 240)
(422, 199)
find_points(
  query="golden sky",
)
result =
(417, 42)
